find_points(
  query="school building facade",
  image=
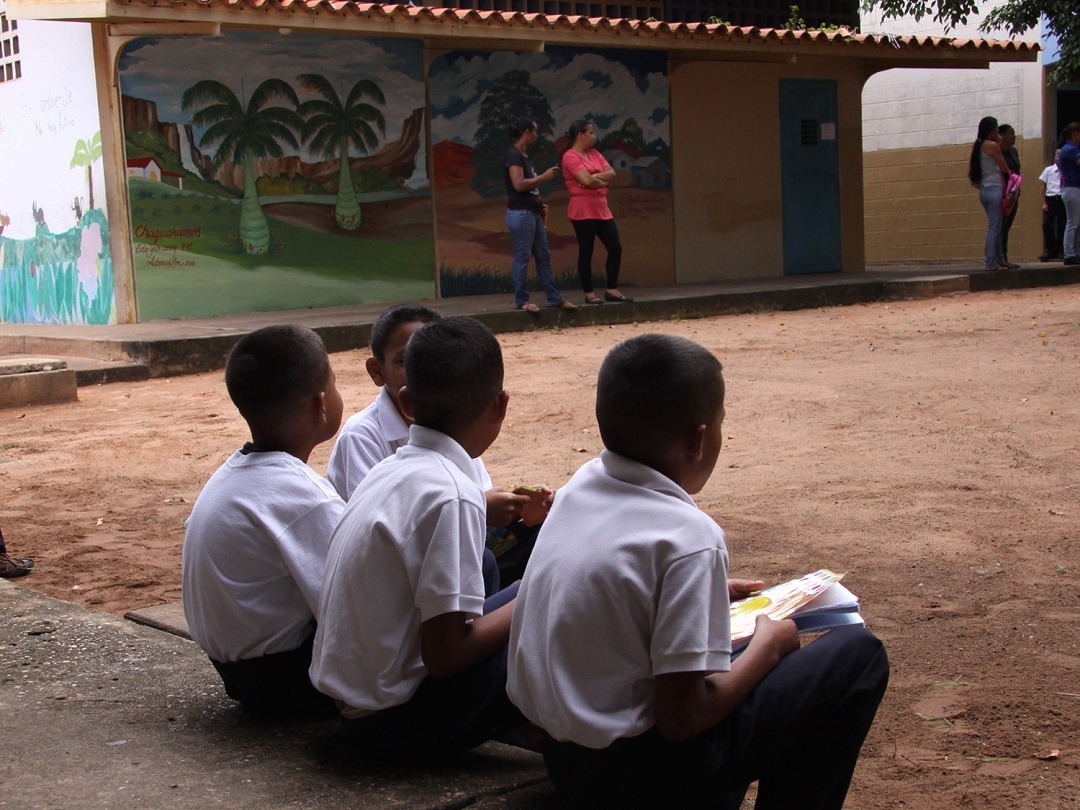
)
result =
(244, 155)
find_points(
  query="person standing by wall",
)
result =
(1053, 224)
(587, 176)
(1069, 164)
(987, 171)
(525, 218)
(1012, 160)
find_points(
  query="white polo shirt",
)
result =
(407, 549)
(254, 552)
(366, 438)
(628, 581)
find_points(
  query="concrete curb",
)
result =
(96, 711)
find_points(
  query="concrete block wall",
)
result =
(919, 206)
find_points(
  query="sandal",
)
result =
(563, 304)
(11, 568)
(528, 306)
(593, 300)
(618, 297)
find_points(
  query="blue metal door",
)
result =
(810, 176)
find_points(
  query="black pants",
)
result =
(1053, 227)
(798, 733)
(276, 685)
(444, 716)
(1006, 223)
(587, 230)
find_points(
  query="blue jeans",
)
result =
(990, 197)
(1071, 197)
(529, 236)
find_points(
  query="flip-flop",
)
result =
(528, 306)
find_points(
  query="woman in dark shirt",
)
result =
(525, 218)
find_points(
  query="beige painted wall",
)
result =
(726, 177)
(921, 207)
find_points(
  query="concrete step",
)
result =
(28, 379)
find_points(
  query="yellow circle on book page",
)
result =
(751, 605)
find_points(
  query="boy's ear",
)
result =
(374, 370)
(695, 443)
(318, 408)
(500, 404)
(405, 403)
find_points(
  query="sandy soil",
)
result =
(928, 448)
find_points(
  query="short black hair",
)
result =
(652, 390)
(272, 371)
(394, 317)
(453, 368)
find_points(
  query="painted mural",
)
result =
(274, 172)
(55, 262)
(475, 96)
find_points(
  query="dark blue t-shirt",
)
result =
(1070, 172)
(520, 200)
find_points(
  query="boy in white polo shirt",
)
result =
(380, 429)
(406, 644)
(621, 646)
(256, 542)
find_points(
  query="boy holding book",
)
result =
(407, 644)
(626, 663)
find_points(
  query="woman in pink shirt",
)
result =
(587, 176)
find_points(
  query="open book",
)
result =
(816, 601)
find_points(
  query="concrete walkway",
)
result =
(96, 712)
(165, 348)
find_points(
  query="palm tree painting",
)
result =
(331, 127)
(86, 152)
(246, 132)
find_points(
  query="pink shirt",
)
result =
(585, 203)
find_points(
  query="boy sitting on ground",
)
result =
(625, 662)
(406, 643)
(381, 428)
(256, 542)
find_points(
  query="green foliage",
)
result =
(511, 96)
(283, 186)
(47, 279)
(242, 133)
(371, 179)
(717, 21)
(794, 21)
(332, 126)
(1014, 17)
(486, 279)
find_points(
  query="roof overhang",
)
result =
(461, 29)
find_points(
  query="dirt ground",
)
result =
(927, 448)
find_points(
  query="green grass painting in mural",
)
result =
(59, 277)
(490, 280)
(190, 263)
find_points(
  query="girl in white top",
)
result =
(987, 172)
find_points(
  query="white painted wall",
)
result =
(936, 107)
(42, 116)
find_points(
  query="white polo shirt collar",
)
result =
(429, 439)
(624, 469)
(393, 426)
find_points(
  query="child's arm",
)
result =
(451, 643)
(503, 506)
(688, 703)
